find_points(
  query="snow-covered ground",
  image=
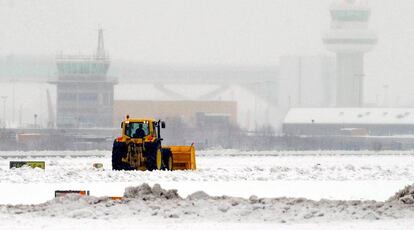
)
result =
(48, 223)
(311, 175)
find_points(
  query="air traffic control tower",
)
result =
(84, 91)
(350, 38)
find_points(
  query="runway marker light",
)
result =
(98, 165)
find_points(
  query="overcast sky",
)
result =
(246, 32)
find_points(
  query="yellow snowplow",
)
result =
(139, 148)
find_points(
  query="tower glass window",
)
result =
(350, 15)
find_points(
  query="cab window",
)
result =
(137, 129)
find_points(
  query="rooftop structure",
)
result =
(349, 37)
(350, 116)
(343, 121)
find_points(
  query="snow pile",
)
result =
(151, 203)
(145, 192)
(405, 195)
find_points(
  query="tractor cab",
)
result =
(148, 130)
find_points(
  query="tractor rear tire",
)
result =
(167, 159)
(118, 151)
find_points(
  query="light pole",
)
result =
(360, 82)
(386, 87)
(35, 120)
(4, 98)
(20, 115)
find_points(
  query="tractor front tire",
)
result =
(118, 151)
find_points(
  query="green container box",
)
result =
(33, 164)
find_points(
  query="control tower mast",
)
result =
(350, 38)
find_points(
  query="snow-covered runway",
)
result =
(220, 172)
(221, 167)
(312, 175)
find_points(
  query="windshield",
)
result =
(137, 129)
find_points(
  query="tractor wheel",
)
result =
(155, 160)
(118, 151)
(167, 160)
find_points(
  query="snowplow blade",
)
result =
(183, 157)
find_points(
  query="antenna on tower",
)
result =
(100, 51)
